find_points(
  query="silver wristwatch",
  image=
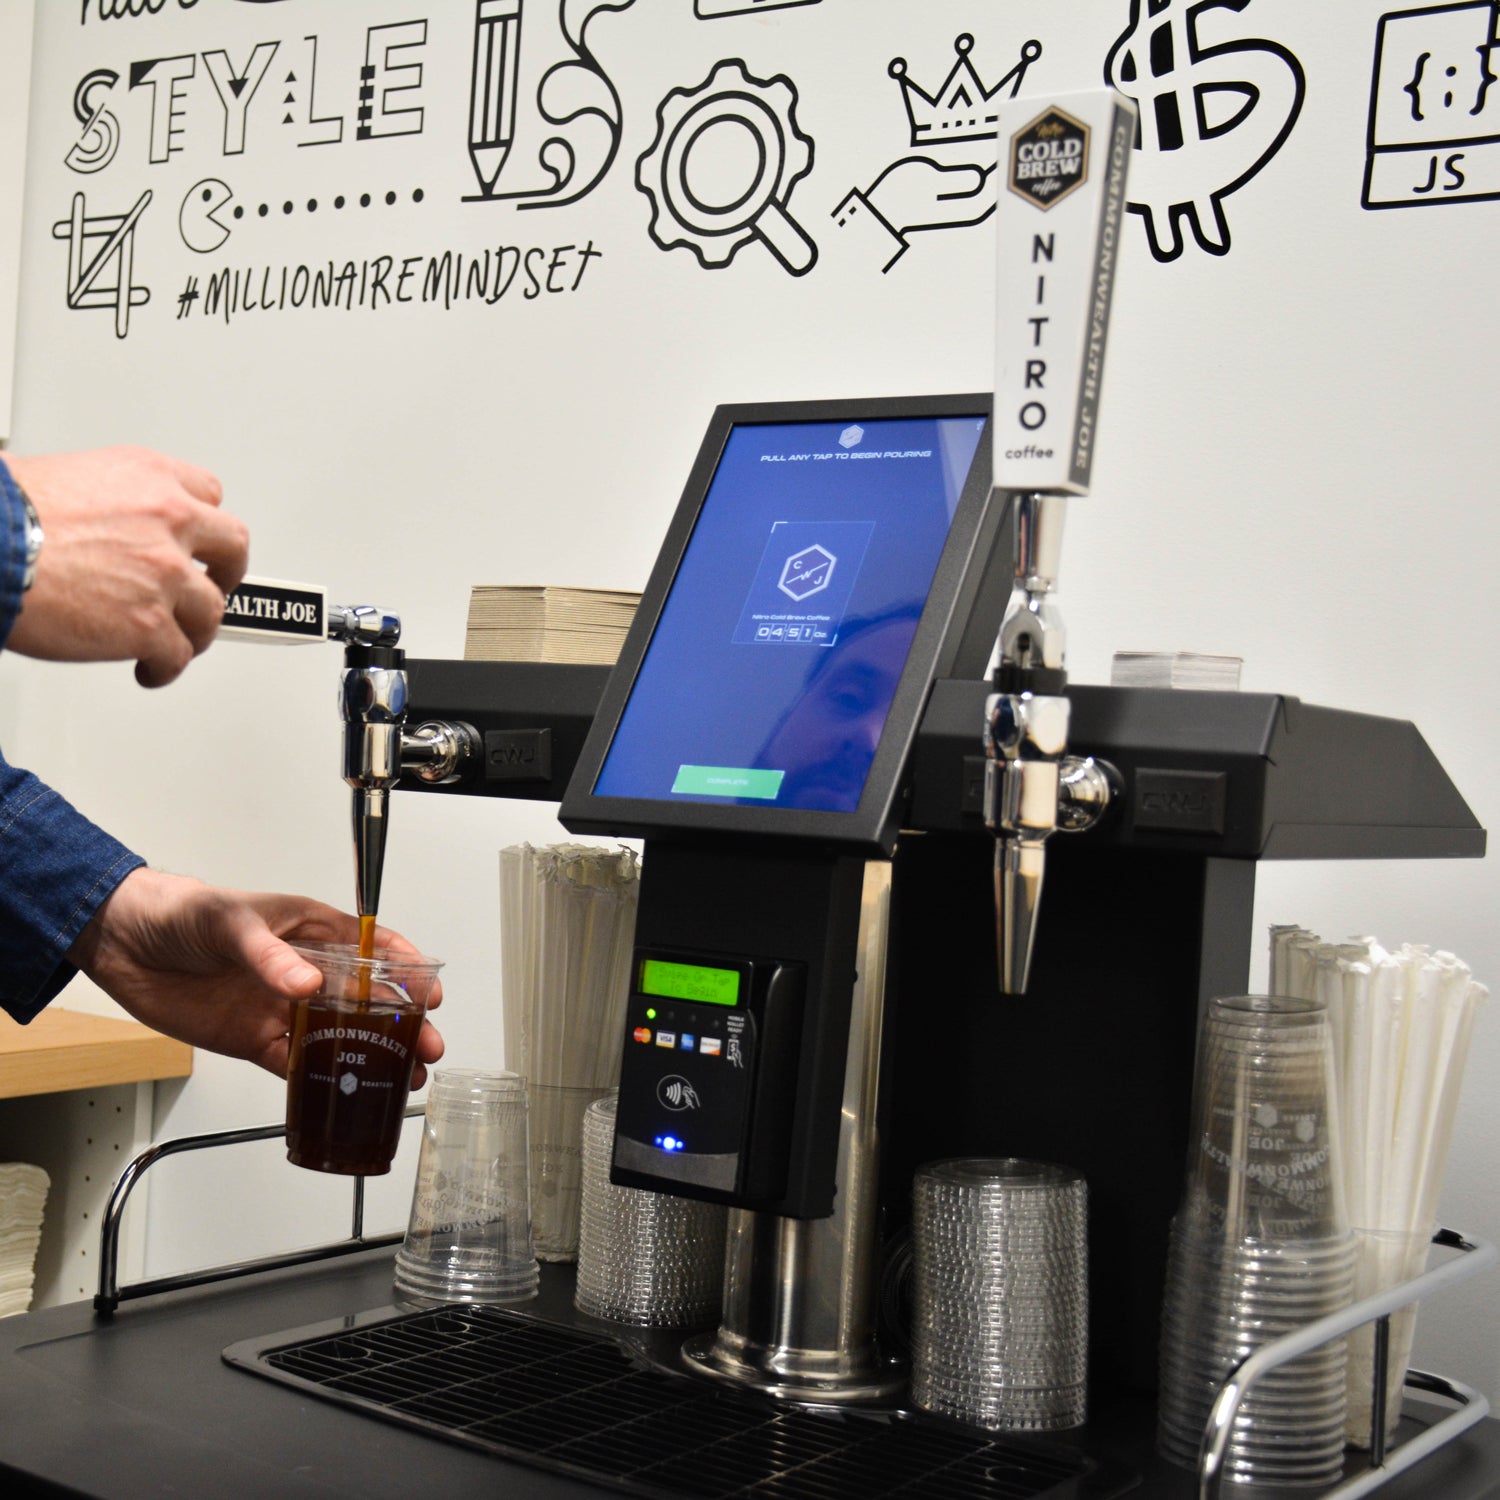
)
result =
(33, 540)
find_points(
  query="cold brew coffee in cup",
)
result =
(353, 1048)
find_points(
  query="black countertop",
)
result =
(144, 1405)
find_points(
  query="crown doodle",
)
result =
(961, 109)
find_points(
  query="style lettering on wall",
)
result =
(549, 120)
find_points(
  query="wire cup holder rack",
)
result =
(1469, 1406)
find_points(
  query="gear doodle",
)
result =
(718, 207)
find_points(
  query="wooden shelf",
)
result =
(65, 1049)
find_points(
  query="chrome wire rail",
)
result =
(111, 1294)
(1471, 1406)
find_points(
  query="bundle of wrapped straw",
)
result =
(1402, 1023)
(567, 926)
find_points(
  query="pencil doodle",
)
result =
(560, 151)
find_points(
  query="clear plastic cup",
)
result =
(353, 1048)
(469, 1237)
(1259, 1246)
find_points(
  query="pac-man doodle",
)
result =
(198, 219)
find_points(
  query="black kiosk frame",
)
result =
(735, 1043)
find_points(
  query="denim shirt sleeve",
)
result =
(56, 867)
(12, 552)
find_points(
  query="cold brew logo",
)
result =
(1211, 117)
(348, 1083)
(807, 572)
(1434, 133)
(1049, 158)
(677, 1093)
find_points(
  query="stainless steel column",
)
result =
(800, 1294)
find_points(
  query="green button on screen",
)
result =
(728, 781)
(689, 982)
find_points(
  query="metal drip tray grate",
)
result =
(563, 1400)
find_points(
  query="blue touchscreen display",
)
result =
(771, 670)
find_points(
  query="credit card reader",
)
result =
(708, 1077)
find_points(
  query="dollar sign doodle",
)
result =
(1211, 116)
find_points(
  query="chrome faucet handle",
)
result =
(1025, 737)
(363, 625)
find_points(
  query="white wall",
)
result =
(1295, 466)
(15, 94)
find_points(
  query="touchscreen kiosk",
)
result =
(802, 604)
(821, 570)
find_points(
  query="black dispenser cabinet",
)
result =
(1145, 917)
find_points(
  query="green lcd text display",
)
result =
(673, 981)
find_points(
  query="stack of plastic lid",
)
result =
(648, 1259)
(1000, 1326)
(1260, 1245)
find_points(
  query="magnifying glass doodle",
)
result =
(722, 167)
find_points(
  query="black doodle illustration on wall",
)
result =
(559, 150)
(100, 138)
(1211, 117)
(102, 274)
(198, 220)
(1434, 131)
(126, 10)
(236, 89)
(165, 77)
(948, 186)
(328, 130)
(390, 74)
(722, 167)
(707, 10)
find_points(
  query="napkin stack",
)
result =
(543, 622)
(23, 1195)
(1176, 669)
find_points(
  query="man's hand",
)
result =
(212, 967)
(136, 563)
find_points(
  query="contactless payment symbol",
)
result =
(677, 1093)
(1049, 158)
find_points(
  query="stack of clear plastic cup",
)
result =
(1000, 1318)
(1260, 1245)
(648, 1259)
(469, 1237)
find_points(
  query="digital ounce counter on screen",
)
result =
(674, 981)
